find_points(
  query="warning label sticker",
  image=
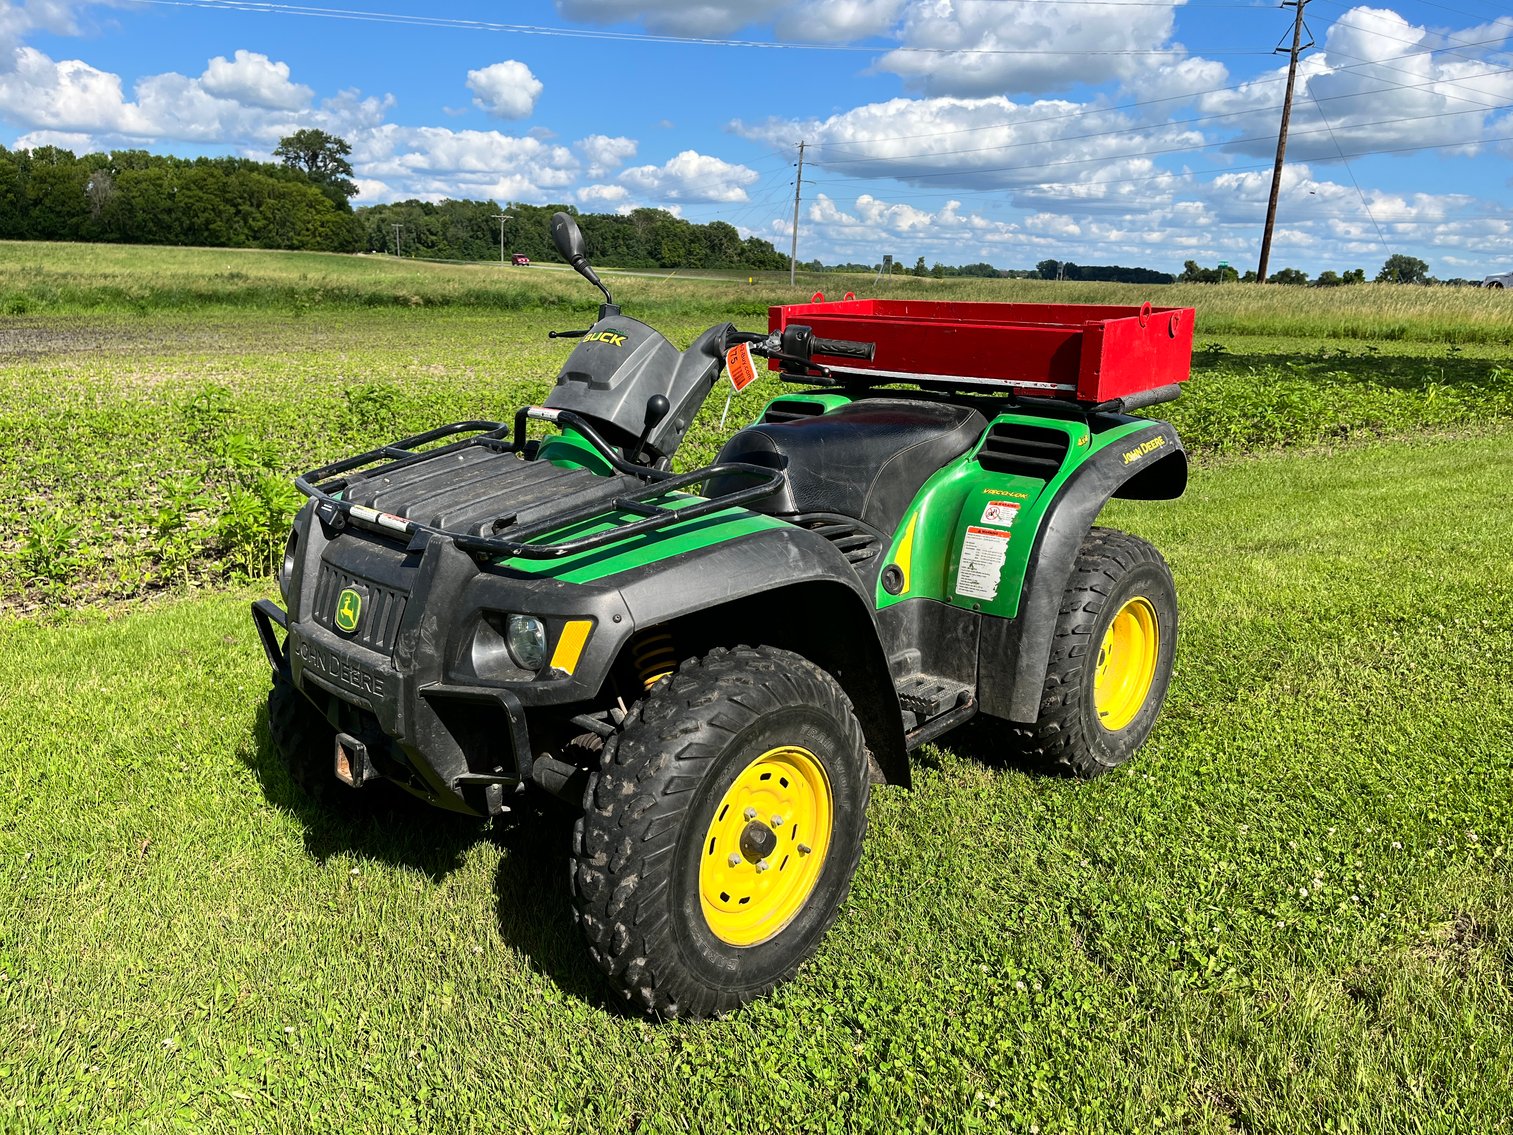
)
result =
(982, 555)
(1001, 513)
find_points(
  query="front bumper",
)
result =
(465, 748)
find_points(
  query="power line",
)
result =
(1361, 65)
(267, 7)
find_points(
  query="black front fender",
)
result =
(784, 587)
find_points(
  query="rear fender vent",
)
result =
(854, 540)
(1024, 450)
(791, 410)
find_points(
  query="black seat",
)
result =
(865, 460)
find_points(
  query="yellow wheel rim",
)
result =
(766, 846)
(1126, 664)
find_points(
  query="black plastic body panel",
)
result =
(620, 364)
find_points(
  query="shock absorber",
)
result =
(654, 657)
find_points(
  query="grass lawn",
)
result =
(1290, 912)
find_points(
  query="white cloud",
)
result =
(690, 177)
(67, 95)
(1376, 86)
(981, 47)
(433, 162)
(254, 80)
(838, 21)
(674, 17)
(59, 17)
(605, 154)
(603, 195)
(505, 90)
(975, 143)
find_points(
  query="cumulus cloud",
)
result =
(433, 162)
(838, 21)
(980, 47)
(974, 143)
(1375, 86)
(59, 17)
(254, 80)
(604, 154)
(600, 195)
(690, 177)
(674, 17)
(505, 90)
(66, 95)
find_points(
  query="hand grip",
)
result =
(842, 348)
(1145, 398)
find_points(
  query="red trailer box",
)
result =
(1087, 352)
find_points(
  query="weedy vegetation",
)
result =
(1290, 912)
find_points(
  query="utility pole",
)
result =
(793, 256)
(397, 230)
(501, 218)
(1276, 173)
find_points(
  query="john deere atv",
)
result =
(717, 665)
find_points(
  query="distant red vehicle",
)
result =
(520, 260)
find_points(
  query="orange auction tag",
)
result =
(740, 367)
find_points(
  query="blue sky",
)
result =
(1007, 131)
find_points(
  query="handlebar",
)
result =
(842, 348)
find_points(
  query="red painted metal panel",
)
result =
(1091, 352)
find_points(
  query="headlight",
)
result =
(526, 638)
(286, 570)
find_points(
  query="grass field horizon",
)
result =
(1290, 912)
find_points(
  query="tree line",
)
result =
(642, 238)
(1399, 268)
(303, 202)
(133, 197)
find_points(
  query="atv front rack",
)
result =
(329, 484)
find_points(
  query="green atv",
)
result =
(717, 665)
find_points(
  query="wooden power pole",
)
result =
(500, 217)
(1276, 173)
(793, 256)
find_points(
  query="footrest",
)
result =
(929, 696)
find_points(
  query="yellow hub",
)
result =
(766, 846)
(1126, 664)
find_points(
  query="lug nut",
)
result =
(805, 849)
(762, 865)
(777, 821)
(734, 860)
(749, 813)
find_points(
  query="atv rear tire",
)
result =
(721, 833)
(1111, 658)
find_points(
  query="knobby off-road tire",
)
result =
(1111, 658)
(721, 833)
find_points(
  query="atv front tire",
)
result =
(1111, 658)
(722, 832)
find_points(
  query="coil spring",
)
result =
(654, 657)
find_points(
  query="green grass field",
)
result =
(1290, 913)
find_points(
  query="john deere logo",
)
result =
(348, 610)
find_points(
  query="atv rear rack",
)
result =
(328, 486)
(1094, 357)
